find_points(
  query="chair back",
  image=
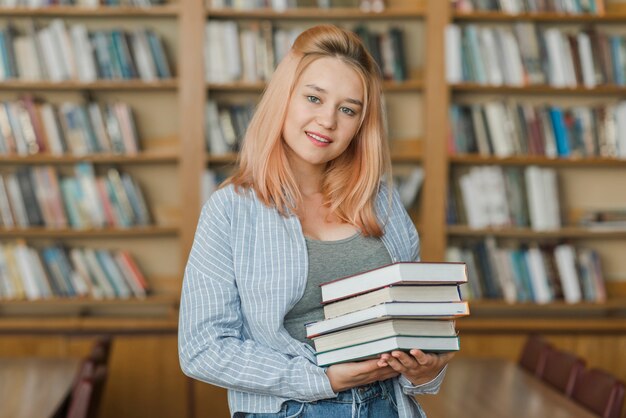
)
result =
(534, 354)
(600, 392)
(85, 401)
(562, 370)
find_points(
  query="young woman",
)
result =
(307, 204)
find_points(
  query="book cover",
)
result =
(373, 348)
(395, 273)
(416, 310)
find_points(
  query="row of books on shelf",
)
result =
(40, 196)
(56, 271)
(226, 125)
(31, 126)
(282, 5)
(399, 306)
(595, 7)
(250, 51)
(79, 3)
(57, 53)
(527, 54)
(530, 273)
(495, 196)
(506, 128)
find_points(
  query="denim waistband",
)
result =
(365, 392)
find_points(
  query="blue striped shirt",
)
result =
(247, 268)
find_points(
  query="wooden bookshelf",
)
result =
(538, 90)
(140, 158)
(135, 231)
(600, 162)
(166, 10)
(145, 358)
(308, 14)
(389, 86)
(100, 85)
(527, 233)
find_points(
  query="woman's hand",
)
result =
(346, 376)
(417, 366)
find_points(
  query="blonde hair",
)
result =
(352, 180)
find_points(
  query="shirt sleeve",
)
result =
(428, 388)
(210, 342)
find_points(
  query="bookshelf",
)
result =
(170, 115)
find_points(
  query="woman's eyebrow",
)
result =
(321, 90)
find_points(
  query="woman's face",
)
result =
(324, 113)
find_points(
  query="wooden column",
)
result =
(192, 95)
(436, 124)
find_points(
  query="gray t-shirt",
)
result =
(329, 260)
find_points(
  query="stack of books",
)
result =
(399, 306)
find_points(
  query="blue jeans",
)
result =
(376, 400)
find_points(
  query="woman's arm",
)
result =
(211, 347)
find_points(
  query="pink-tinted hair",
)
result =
(352, 180)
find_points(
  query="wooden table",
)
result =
(34, 387)
(492, 388)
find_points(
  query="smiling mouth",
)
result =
(318, 138)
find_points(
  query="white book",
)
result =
(454, 73)
(554, 46)
(233, 56)
(551, 198)
(496, 119)
(26, 269)
(384, 329)
(495, 195)
(565, 257)
(488, 48)
(513, 58)
(80, 267)
(373, 348)
(63, 45)
(17, 201)
(52, 129)
(473, 199)
(5, 207)
(85, 60)
(586, 60)
(98, 274)
(538, 276)
(143, 57)
(406, 310)
(216, 141)
(248, 39)
(416, 272)
(52, 55)
(620, 128)
(537, 206)
(400, 293)
(26, 58)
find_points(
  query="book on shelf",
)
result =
(56, 52)
(530, 273)
(393, 274)
(528, 54)
(380, 312)
(549, 130)
(596, 7)
(29, 273)
(387, 328)
(393, 293)
(372, 349)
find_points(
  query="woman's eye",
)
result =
(313, 99)
(347, 111)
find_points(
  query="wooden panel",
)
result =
(144, 374)
(210, 401)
